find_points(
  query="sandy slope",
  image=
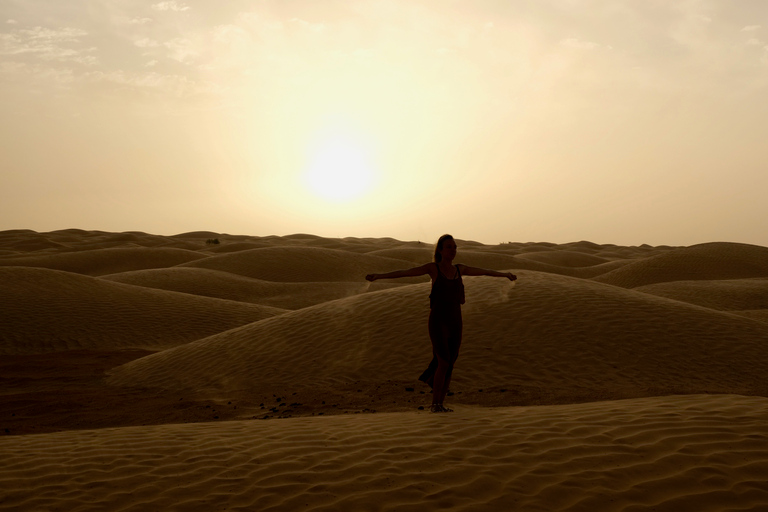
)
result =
(561, 336)
(50, 310)
(687, 453)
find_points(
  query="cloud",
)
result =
(146, 42)
(47, 44)
(313, 27)
(62, 34)
(171, 5)
(229, 34)
(155, 83)
(255, 21)
(12, 22)
(181, 49)
(572, 42)
(128, 20)
(750, 28)
(139, 21)
(36, 74)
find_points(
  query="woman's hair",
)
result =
(439, 247)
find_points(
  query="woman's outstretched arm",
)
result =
(411, 272)
(474, 271)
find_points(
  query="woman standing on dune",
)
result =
(445, 302)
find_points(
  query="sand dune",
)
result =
(97, 262)
(596, 270)
(299, 264)
(483, 257)
(760, 315)
(726, 295)
(198, 235)
(224, 285)
(694, 453)
(717, 260)
(611, 251)
(498, 259)
(415, 255)
(237, 247)
(607, 378)
(583, 246)
(34, 243)
(564, 258)
(25, 240)
(555, 337)
(49, 310)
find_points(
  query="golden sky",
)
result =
(614, 121)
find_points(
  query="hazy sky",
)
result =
(616, 121)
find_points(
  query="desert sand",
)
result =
(148, 372)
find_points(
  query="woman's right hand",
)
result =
(371, 277)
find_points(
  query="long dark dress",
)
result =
(445, 324)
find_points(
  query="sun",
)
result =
(340, 169)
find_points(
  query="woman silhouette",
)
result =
(445, 302)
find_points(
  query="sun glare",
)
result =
(340, 169)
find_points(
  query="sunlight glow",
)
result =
(340, 169)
